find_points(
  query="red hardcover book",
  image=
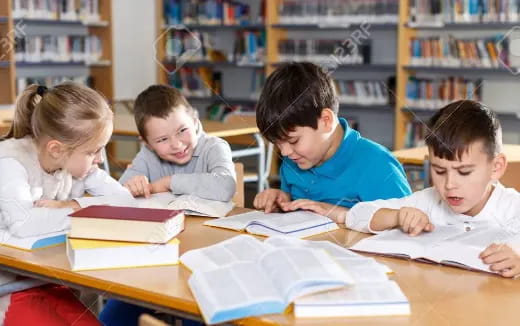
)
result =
(132, 224)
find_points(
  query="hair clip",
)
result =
(42, 90)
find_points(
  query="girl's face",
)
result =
(85, 158)
(174, 138)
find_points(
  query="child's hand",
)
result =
(335, 212)
(139, 186)
(48, 203)
(413, 221)
(161, 185)
(271, 199)
(503, 259)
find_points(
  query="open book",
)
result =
(372, 293)
(448, 245)
(242, 277)
(32, 243)
(299, 224)
(191, 205)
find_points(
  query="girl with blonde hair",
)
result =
(48, 160)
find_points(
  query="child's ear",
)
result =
(499, 166)
(327, 119)
(55, 149)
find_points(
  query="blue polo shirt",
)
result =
(360, 170)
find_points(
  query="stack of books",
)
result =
(103, 237)
(258, 278)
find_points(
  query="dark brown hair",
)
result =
(459, 124)
(294, 95)
(158, 101)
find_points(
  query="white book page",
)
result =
(234, 286)
(364, 270)
(199, 206)
(293, 270)
(239, 248)
(398, 242)
(298, 224)
(466, 247)
(362, 293)
(236, 222)
(331, 248)
(193, 205)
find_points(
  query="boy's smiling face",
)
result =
(465, 184)
(308, 147)
(174, 138)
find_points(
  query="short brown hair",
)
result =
(294, 95)
(70, 113)
(158, 101)
(459, 124)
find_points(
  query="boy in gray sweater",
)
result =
(177, 156)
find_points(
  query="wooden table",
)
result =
(125, 129)
(438, 295)
(418, 156)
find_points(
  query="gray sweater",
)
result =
(210, 174)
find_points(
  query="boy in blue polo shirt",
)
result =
(327, 166)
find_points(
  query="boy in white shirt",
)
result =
(465, 151)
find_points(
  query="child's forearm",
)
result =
(384, 219)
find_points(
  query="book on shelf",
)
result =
(34, 242)
(220, 111)
(196, 82)
(439, 12)
(332, 12)
(87, 254)
(415, 134)
(207, 12)
(319, 50)
(56, 10)
(362, 92)
(22, 83)
(447, 245)
(299, 224)
(441, 51)
(133, 224)
(434, 93)
(259, 278)
(58, 49)
(249, 47)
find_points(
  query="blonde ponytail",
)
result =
(71, 113)
(25, 106)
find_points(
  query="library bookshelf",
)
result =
(101, 72)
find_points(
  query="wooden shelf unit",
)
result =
(102, 74)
